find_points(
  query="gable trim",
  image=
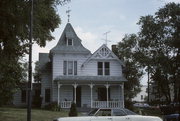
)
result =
(103, 55)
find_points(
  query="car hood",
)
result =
(135, 117)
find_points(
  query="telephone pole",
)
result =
(30, 65)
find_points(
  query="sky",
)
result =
(92, 18)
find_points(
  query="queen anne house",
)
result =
(71, 73)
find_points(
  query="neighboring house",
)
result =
(70, 73)
(141, 96)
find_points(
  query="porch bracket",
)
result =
(59, 86)
(122, 94)
(75, 86)
(91, 86)
(107, 87)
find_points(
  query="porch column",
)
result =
(59, 85)
(107, 87)
(75, 86)
(122, 94)
(91, 86)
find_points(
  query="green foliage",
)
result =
(37, 74)
(133, 71)
(156, 48)
(159, 44)
(73, 110)
(129, 104)
(53, 107)
(14, 38)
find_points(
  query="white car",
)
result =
(111, 115)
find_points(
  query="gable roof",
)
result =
(103, 53)
(62, 47)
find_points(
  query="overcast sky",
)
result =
(92, 18)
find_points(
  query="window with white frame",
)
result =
(69, 42)
(103, 68)
(70, 68)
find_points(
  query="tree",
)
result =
(14, 37)
(133, 72)
(73, 110)
(37, 74)
(159, 43)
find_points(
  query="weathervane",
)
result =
(68, 13)
(106, 40)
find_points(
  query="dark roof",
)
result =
(91, 78)
(61, 46)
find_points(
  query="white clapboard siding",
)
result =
(90, 68)
(58, 63)
(45, 84)
(54, 92)
(115, 93)
(17, 99)
(115, 68)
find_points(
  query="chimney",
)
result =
(114, 49)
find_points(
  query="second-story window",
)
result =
(70, 67)
(106, 68)
(100, 68)
(103, 68)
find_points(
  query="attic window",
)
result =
(69, 42)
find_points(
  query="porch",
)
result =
(96, 104)
(92, 95)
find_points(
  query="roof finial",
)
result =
(68, 13)
(106, 40)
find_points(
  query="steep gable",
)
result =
(75, 47)
(103, 53)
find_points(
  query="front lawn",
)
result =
(20, 114)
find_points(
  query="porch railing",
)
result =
(65, 104)
(107, 104)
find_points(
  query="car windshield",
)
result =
(118, 112)
(122, 112)
(104, 112)
(109, 112)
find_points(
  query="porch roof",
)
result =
(91, 78)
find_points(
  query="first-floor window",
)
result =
(23, 96)
(47, 95)
(70, 67)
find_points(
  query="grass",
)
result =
(20, 114)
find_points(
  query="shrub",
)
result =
(73, 110)
(129, 104)
(53, 106)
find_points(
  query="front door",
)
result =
(78, 96)
(102, 94)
